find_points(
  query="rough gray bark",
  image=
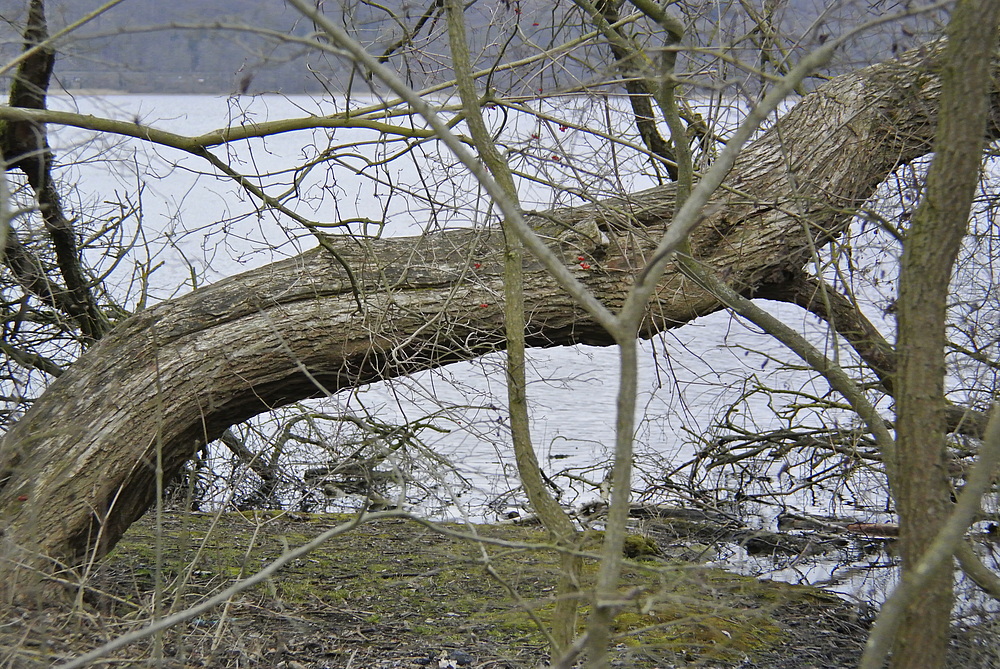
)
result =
(923, 491)
(80, 466)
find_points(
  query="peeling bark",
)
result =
(80, 466)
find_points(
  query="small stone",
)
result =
(462, 658)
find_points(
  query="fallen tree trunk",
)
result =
(81, 465)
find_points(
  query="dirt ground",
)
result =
(399, 594)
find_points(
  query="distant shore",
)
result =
(90, 91)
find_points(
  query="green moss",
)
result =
(402, 574)
(637, 546)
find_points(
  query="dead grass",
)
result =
(392, 593)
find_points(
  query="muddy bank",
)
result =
(400, 594)
(395, 593)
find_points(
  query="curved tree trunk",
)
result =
(80, 466)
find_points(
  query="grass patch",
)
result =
(402, 580)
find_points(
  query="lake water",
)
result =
(201, 227)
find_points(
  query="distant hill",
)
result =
(207, 46)
(184, 46)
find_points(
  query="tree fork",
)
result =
(24, 144)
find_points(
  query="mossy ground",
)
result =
(394, 593)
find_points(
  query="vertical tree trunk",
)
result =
(559, 525)
(923, 490)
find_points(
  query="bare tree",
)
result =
(922, 487)
(749, 216)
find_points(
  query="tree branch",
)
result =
(843, 315)
(25, 145)
(77, 466)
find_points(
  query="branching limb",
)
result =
(974, 568)
(833, 373)
(637, 77)
(25, 145)
(844, 316)
(433, 9)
